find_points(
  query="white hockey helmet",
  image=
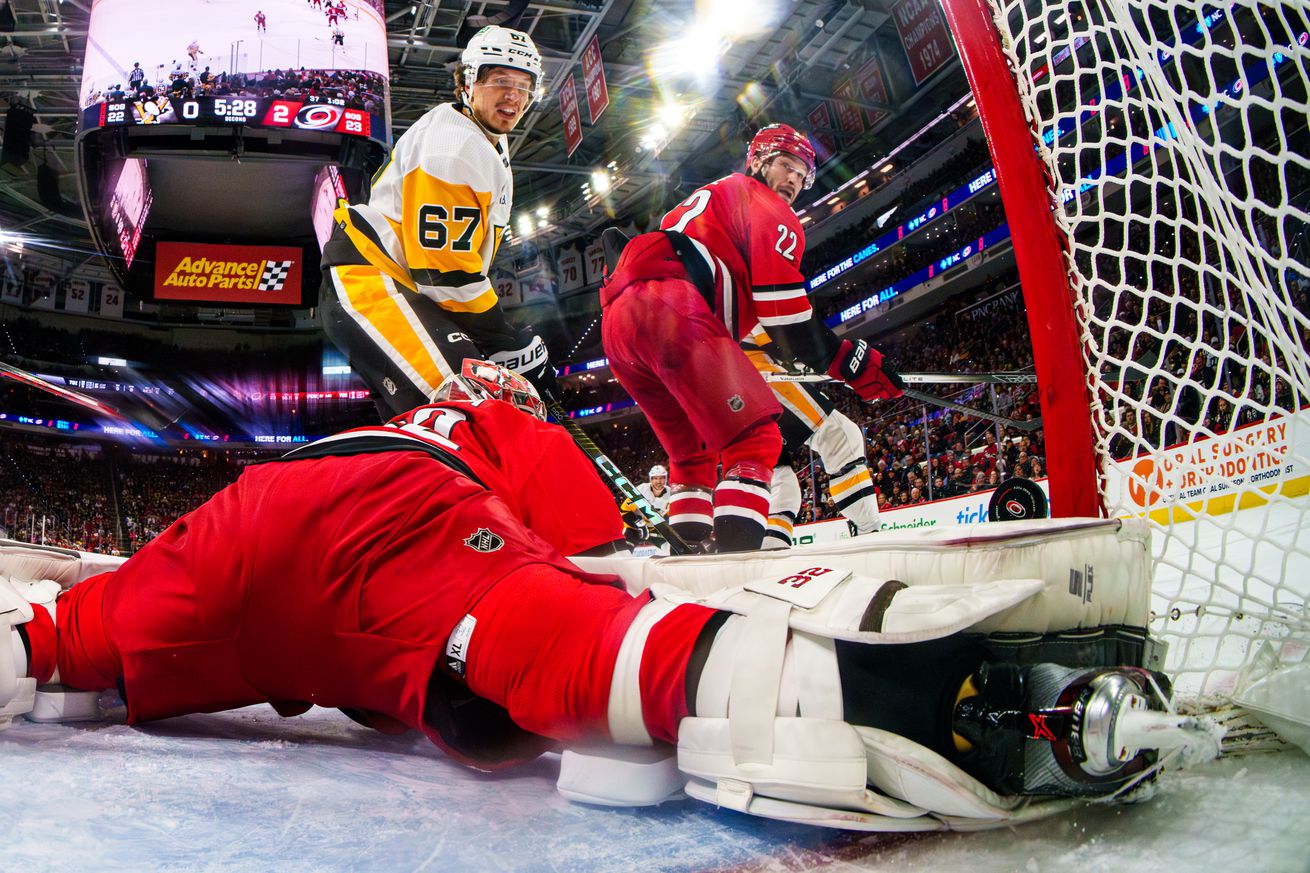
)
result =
(658, 470)
(496, 46)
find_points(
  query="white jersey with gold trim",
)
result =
(437, 210)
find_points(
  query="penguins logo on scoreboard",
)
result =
(483, 540)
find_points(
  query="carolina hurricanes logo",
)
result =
(483, 540)
(1016, 509)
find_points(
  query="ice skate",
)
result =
(1050, 730)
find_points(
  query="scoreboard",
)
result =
(321, 115)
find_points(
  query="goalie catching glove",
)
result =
(864, 369)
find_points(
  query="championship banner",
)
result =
(594, 259)
(593, 77)
(569, 264)
(111, 301)
(568, 109)
(43, 290)
(227, 274)
(848, 114)
(13, 290)
(872, 88)
(77, 298)
(924, 36)
(507, 288)
(821, 122)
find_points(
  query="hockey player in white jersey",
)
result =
(657, 489)
(406, 294)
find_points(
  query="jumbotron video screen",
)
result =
(309, 66)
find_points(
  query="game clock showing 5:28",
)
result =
(261, 111)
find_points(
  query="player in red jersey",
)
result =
(725, 263)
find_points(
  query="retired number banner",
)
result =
(227, 274)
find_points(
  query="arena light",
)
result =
(600, 181)
(735, 19)
(692, 56)
(525, 225)
(671, 114)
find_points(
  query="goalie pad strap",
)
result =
(879, 604)
(756, 675)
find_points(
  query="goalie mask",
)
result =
(483, 380)
(496, 46)
(779, 139)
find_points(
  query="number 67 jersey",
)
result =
(435, 214)
(752, 243)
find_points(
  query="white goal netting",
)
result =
(1174, 138)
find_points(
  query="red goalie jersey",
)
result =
(533, 466)
(752, 243)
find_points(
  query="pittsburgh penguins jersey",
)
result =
(525, 462)
(436, 213)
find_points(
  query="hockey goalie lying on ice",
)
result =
(413, 575)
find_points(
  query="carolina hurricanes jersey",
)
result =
(436, 212)
(753, 244)
(534, 466)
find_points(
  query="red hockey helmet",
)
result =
(782, 138)
(484, 380)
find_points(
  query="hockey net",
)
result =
(1154, 162)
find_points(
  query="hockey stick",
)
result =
(925, 378)
(619, 484)
(33, 381)
(930, 399)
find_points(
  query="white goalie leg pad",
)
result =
(620, 775)
(833, 602)
(18, 602)
(769, 737)
(29, 562)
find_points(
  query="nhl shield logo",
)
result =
(483, 540)
(735, 403)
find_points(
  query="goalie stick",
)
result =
(34, 381)
(619, 484)
(922, 397)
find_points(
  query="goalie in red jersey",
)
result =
(725, 264)
(390, 572)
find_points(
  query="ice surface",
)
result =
(248, 790)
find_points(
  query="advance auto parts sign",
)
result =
(227, 274)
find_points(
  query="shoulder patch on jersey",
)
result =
(483, 540)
